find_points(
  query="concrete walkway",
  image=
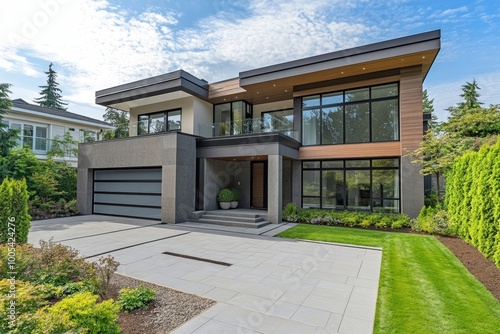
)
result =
(271, 286)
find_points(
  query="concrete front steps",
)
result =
(229, 218)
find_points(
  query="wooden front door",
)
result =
(259, 185)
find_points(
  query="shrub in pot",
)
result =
(236, 198)
(225, 198)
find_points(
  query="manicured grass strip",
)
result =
(423, 287)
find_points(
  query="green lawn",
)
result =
(423, 287)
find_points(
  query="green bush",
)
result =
(433, 220)
(86, 315)
(59, 265)
(236, 194)
(473, 199)
(131, 299)
(15, 221)
(351, 218)
(291, 213)
(225, 195)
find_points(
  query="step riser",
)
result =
(233, 223)
(232, 218)
(233, 214)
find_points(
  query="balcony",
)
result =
(248, 126)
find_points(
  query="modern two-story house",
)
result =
(330, 131)
(39, 126)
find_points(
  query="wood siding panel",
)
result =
(349, 85)
(347, 151)
(411, 116)
(225, 88)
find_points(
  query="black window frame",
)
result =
(345, 103)
(344, 170)
(248, 113)
(165, 117)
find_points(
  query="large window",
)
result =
(369, 184)
(231, 118)
(278, 121)
(32, 136)
(163, 121)
(361, 115)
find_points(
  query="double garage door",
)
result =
(128, 192)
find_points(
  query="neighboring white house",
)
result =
(39, 126)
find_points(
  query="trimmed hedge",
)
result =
(15, 220)
(473, 200)
(344, 218)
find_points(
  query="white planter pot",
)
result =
(234, 204)
(225, 205)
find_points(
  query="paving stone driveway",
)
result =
(272, 286)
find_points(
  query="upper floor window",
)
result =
(278, 121)
(361, 115)
(163, 121)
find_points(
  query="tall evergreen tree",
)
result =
(8, 137)
(50, 95)
(428, 108)
(470, 95)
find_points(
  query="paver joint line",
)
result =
(97, 234)
(135, 245)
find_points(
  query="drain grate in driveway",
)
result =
(198, 258)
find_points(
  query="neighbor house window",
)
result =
(361, 115)
(365, 184)
(169, 120)
(31, 136)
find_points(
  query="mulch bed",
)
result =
(169, 310)
(479, 266)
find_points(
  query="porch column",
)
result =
(275, 188)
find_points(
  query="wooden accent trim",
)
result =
(346, 151)
(411, 116)
(349, 85)
(225, 88)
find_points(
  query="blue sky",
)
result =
(95, 44)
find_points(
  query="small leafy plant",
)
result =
(130, 299)
(225, 195)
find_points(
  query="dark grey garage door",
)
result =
(128, 192)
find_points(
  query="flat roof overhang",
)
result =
(278, 82)
(165, 87)
(248, 146)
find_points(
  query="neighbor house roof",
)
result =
(20, 105)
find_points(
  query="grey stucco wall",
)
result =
(275, 188)
(174, 152)
(412, 192)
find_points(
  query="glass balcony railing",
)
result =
(247, 126)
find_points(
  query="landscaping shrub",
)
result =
(473, 199)
(433, 220)
(85, 314)
(59, 265)
(291, 212)
(345, 218)
(15, 220)
(236, 194)
(131, 299)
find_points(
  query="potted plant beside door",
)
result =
(225, 198)
(236, 198)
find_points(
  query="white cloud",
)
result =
(95, 45)
(451, 12)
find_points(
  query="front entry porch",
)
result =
(246, 218)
